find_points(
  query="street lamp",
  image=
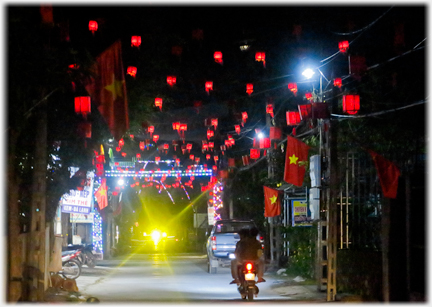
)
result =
(308, 73)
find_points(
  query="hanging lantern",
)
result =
(211, 145)
(191, 157)
(237, 129)
(82, 105)
(214, 167)
(343, 46)
(214, 122)
(132, 71)
(141, 145)
(209, 86)
(136, 41)
(308, 96)
(293, 87)
(155, 138)
(249, 88)
(197, 160)
(293, 118)
(121, 142)
(254, 153)
(177, 161)
(264, 143)
(171, 80)
(216, 158)
(157, 159)
(260, 57)
(93, 26)
(210, 133)
(218, 57)
(227, 143)
(158, 103)
(189, 146)
(244, 116)
(150, 130)
(269, 109)
(176, 126)
(208, 156)
(275, 133)
(204, 146)
(337, 82)
(166, 146)
(138, 156)
(351, 104)
(305, 111)
(124, 154)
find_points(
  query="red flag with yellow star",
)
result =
(272, 203)
(295, 161)
(101, 195)
(108, 90)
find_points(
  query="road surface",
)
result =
(166, 278)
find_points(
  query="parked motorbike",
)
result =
(71, 266)
(247, 275)
(86, 257)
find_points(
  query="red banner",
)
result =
(388, 174)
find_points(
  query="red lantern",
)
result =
(118, 148)
(121, 142)
(177, 161)
(166, 146)
(132, 70)
(191, 157)
(216, 158)
(197, 160)
(343, 46)
(171, 80)
(237, 129)
(293, 118)
(260, 57)
(249, 88)
(218, 57)
(264, 143)
(157, 159)
(93, 26)
(188, 146)
(305, 111)
(155, 138)
(124, 154)
(82, 105)
(351, 104)
(254, 153)
(138, 156)
(204, 146)
(308, 96)
(337, 82)
(176, 126)
(210, 133)
(244, 116)
(141, 145)
(211, 145)
(208, 156)
(269, 109)
(275, 133)
(183, 127)
(293, 87)
(209, 86)
(214, 122)
(158, 103)
(136, 41)
(150, 129)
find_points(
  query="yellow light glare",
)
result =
(164, 234)
(156, 235)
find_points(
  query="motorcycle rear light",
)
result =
(249, 266)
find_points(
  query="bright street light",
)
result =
(308, 73)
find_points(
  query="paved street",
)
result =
(177, 278)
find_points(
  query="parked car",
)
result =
(222, 240)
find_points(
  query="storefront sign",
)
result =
(301, 215)
(81, 218)
(79, 201)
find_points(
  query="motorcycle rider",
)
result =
(248, 248)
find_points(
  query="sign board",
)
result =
(79, 201)
(81, 218)
(301, 215)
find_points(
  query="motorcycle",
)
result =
(86, 257)
(247, 275)
(71, 266)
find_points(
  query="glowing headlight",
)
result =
(156, 235)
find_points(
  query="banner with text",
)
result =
(79, 201)
(301, 215)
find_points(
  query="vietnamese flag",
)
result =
(101, 195)
(272, 203)
(295, 161)
(388, 174)
(108, 90)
